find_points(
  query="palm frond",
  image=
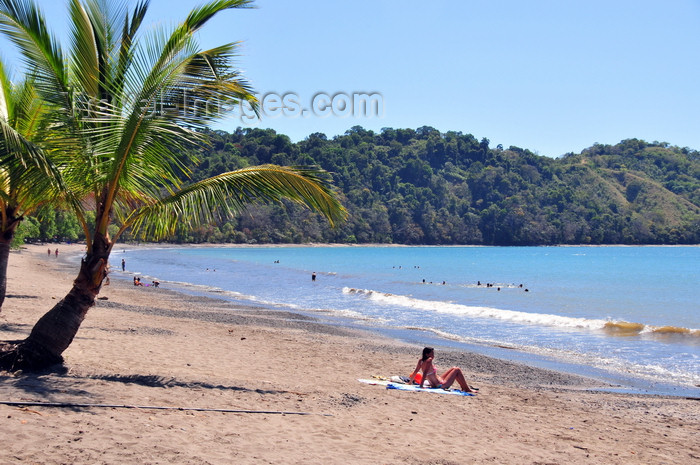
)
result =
(129, 29)
(30, 174)
(86, 45)
(209, 85)
(24, 24)
(229, 193)
(5, 94)
(200, 15)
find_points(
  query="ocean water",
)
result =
(626, 315)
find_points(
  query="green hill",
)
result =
(422, 186)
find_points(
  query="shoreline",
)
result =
(601, 377)
(160, 347)
(586, 377)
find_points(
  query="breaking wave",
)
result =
(615, 328)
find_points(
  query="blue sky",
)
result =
(551, 76)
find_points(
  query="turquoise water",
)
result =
(622, 310)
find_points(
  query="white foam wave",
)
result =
(443, 334)
(651, 372)
(478, 312)
(206, 289)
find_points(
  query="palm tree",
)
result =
(126, 107)
(28, 178)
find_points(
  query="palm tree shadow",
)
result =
(40, 387)
(163, 382)
(58, 385)
(15, 328)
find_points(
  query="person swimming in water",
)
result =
(429, 373)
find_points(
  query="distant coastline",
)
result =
(331, 244)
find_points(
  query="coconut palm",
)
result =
(127, 107)
(28, 179)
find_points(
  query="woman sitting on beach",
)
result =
(429, 373)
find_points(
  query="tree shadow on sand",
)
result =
(163, 382)
(59, 385)
(19, 328)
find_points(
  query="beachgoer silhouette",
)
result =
(57, 252)
(123, 264)
(313, 276)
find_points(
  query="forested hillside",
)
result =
(405, 186)
(421, 186)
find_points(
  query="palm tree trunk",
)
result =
(54, 331)
(4, 259)
(8, 233)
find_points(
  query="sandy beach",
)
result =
(176, 379)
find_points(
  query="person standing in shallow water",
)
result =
(313, 276)
(425, 365)
(123, 264)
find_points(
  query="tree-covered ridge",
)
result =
(406, 186)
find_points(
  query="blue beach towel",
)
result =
(408, 387)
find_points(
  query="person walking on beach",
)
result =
(123, 264)
(429, 372)
(49, 252)
(56, 252)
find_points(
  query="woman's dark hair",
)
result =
(426, 353)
